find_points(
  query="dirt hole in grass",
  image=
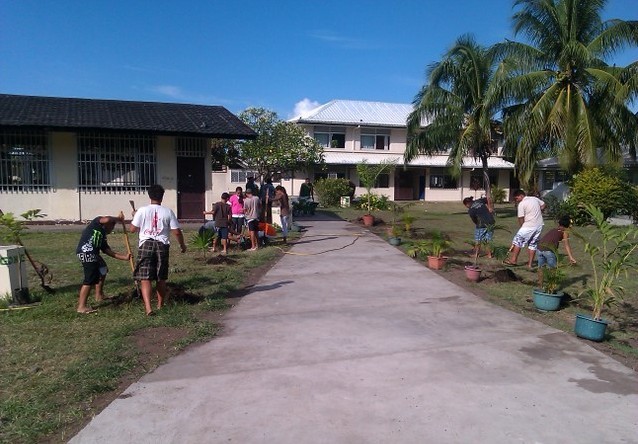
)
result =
(221, 260)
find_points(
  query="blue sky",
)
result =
(282, 55)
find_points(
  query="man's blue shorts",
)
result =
(483, 234)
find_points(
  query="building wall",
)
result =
(398, 137)
(64, 203)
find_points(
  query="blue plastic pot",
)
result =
(589, 328)
(547, 301)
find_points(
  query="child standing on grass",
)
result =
(155, 223)
(221, 216)
(92, 241)
(252, 208)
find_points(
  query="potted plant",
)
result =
(547, 296)
(408, 220)
(368, 175)
(473, 270)
(395, 233)
(611, 258)
(434, 248)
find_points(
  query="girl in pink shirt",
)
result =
(236, 202)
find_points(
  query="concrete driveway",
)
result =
(347, 340)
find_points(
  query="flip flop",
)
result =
(508, 263)
(87, 311)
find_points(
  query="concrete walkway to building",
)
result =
(347, 340)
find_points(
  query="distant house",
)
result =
(78, 158)
(553, 180)
(353, 131)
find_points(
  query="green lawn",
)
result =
(54, 362)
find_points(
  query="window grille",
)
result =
(241, 176)
(25, 161)
(116, 162)
(192, 146)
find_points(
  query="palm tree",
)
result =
(560, 96)
(454, 108)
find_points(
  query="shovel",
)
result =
(128, 249)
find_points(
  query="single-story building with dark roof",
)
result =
(75, 159)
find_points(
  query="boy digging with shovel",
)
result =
(92, 241)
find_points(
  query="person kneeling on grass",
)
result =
(548, 246)
(92, 241)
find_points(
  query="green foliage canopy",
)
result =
(454, 107)
(281, 147)
(560, 95)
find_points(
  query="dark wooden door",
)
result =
(191, 184)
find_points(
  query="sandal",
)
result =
(87, 311)
(506, 262)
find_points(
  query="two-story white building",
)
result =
(352, 131)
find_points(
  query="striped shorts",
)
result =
(152, 261)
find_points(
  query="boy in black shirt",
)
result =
(92, 241)
(481, 211)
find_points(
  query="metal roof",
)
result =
(354, 112)
(431, 161)
(57, 113)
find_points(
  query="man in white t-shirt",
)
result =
(530, 220)
(154, 224)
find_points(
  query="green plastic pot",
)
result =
(588, 328)
(547, 301)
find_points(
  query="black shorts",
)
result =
(152, 261)
(253, 225)
(93, 270)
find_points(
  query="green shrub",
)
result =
(498, 194)
(329, 191)
(373, 202)
(557, 208)
(606, 188)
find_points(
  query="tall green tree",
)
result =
(280, 147)
(561, 96)
(451, 111)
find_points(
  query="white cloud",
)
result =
(341, 41)
(303, 107)
(174, 92)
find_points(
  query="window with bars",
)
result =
(192, 146)
(241, 176)
(116, 162)
(25, 161)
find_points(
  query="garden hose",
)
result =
(356, 238)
